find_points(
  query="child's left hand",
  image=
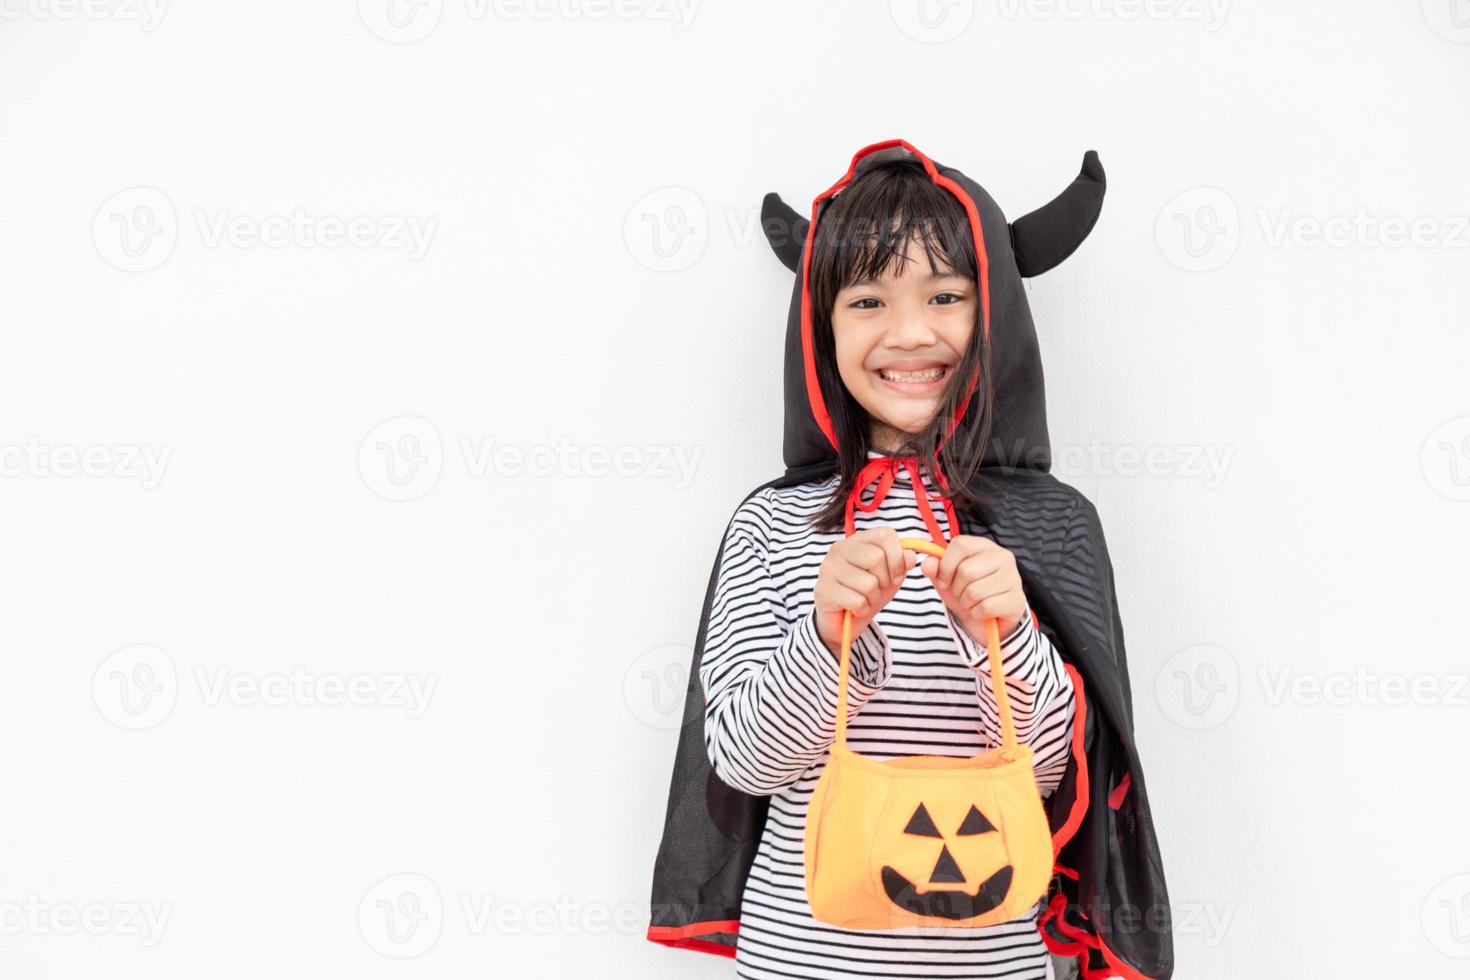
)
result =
(978, 580)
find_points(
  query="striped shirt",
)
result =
(920, 685)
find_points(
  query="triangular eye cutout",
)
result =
(920, 823)
(975, 823)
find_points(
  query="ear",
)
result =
(785, 230)
(1046, 236)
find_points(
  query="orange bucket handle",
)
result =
(992, 643)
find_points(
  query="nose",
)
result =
(946, 869)
(911, 329)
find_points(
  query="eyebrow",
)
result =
(932, 276)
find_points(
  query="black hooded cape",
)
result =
(1108, 907)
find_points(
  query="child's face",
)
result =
(899, 339)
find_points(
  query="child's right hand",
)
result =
(860, 573)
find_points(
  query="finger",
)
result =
(981, 589)
(992, 606)
(872, 557)
(859, 580)
(897, 564)
(959, 549)
(853, 601)
(975, 568)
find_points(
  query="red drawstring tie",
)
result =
(879, 473)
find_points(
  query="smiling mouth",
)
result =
(952, 904)
(921, 381)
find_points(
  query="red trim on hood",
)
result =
(813, 386)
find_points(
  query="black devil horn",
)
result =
(785, 230)
(1046, 236)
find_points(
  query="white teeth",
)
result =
(933, 374)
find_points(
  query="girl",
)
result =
(897, 358)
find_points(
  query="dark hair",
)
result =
(867, 227)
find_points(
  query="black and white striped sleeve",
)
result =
(1040, 690)
(771, 691)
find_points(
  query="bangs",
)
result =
(870, 226)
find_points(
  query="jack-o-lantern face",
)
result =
(947, 903)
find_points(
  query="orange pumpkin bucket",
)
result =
(926, 840)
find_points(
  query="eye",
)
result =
(858, 304)
(975, 823)
(948, 299)
(921, 823)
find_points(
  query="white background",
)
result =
(321, 512)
